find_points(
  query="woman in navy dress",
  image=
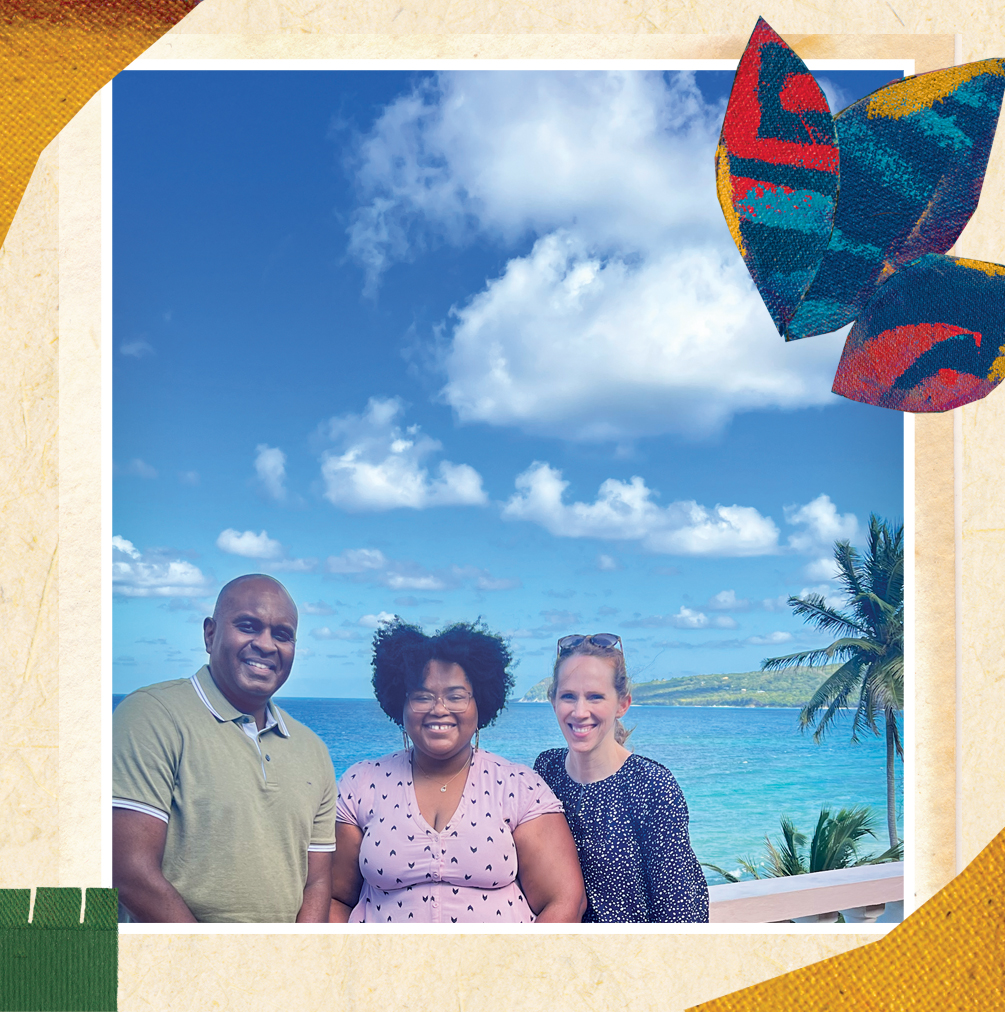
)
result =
(626, 812)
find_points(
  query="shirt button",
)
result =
(268, 758)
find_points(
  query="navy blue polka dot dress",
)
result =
(631, 833)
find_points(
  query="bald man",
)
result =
(224, 805)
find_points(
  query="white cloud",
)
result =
(379, 466)
(771, 639)
(136, 348)
(837, 97)
(138, 468)
(372, 621)
(686, 618)
(579, 345)
(270, 466)
(726, 600)
(357, 560)
(126, 547)
(626, 511)
(324, 633)
(371, 565)
(632, 314)
(822, 526)
(607, 563)
(188, 477)
(137, 575)
(249, 545)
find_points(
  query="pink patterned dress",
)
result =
(466, 872)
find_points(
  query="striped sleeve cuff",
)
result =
(322, 848)
(138, 806)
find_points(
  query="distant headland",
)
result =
(791, 687)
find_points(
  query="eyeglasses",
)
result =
(606, 641)
(455, 700)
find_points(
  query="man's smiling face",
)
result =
(251, 639)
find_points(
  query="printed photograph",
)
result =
(482, 553)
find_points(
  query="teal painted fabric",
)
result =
(56, 963)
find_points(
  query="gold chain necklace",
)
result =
(443, 790)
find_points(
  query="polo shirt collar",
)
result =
(221, 707)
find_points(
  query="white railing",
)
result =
(860, 894)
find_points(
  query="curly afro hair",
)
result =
(402, 651)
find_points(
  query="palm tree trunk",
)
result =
(891, 794)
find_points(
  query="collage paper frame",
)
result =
(59, 225)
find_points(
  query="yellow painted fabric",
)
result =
(54, 56)
(949, 955)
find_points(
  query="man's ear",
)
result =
(208, 631)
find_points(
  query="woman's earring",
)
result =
(476, 739)
(404, 738)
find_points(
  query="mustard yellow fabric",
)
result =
(54, 56)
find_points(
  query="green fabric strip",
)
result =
(56, 963)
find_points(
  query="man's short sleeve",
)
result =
(146, 750)
(323, 831)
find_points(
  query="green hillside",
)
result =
(792, 687)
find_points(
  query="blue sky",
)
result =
(457, 345)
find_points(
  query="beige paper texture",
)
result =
(50, 766)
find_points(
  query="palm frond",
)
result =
(805, 658)
(832, 697)
(815, 610)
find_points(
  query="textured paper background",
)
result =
(50, 765)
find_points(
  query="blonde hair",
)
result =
(622, 684)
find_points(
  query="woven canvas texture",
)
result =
(55, 962)
(54, 55)
(947, 955)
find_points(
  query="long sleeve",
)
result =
(675, 884)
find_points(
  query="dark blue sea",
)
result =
(741, 768)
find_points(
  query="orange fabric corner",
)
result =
(947, 955)
(54, 55)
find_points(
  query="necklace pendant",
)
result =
(443, 789)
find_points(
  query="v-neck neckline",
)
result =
(413, 799)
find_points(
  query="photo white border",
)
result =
(107, 344)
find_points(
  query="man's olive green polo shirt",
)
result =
(242, 809)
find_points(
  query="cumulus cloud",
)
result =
(686, 618)
(135, 574)
(726, 600)
(377, 465)
(372, 621)
(632, 313)
(607, 563)
(262, 548)
(821, 526)
(249, 545)
(627, 511)
(270, 466)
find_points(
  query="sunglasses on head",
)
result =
(606, 641)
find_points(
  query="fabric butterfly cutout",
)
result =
(847, 218)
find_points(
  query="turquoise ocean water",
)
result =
(740, 768)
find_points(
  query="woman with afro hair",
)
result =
(443, 831)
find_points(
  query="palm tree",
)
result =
(870, 645)
(835, 844)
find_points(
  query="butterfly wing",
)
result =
(777, 171)
(931, 338)
(913, 157)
